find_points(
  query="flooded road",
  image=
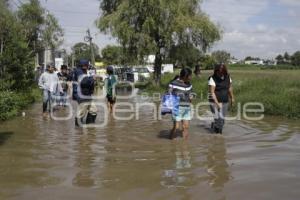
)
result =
(134, 160)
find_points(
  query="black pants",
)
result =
(219, 114)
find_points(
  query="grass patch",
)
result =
(277, 90)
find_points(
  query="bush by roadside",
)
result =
(11, 102)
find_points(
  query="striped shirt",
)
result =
(181, 89)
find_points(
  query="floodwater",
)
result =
(50, 159)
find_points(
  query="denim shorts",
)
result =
(183, 114)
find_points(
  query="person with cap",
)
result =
(110, 84)
(49, 83)
(63, 78)
(83, 89)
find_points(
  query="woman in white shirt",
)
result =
(220, 95)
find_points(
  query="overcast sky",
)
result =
(262, 28)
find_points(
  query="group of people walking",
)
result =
(55, 88)
(80, 83)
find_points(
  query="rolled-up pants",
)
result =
(47, 100)
(86, 107)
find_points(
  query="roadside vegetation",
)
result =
(277, 90)
(24, 34)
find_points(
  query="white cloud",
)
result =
(232, 13)
(75, 17)
(265, 44)
(243, 37)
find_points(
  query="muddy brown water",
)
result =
(49, 159)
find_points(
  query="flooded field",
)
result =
(134, 160)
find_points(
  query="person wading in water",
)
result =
(182, 88)
(110, 87)
(82, 92)
(220, 95)
(49, 83)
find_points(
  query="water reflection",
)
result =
(180, 175)
(216, 163)
(4, 136)
(84, 161)
(126, 160)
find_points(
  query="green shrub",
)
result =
(11, 103)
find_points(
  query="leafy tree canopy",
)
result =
(147, 26)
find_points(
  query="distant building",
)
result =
(254, 62)
(233, 61)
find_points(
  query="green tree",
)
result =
(208, 62)
(16, 60)
(184, 55)
(147, 26)
(280, 59)
(287, 57)
(221, 56)
(112, 55)
(296, 59)
(81, 50)
(31, 19)
(52, 34)
(248, 58)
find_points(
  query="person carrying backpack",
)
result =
(84, 88)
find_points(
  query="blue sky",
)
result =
(261, 28)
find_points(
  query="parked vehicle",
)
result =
(137, 74)
(165, 68)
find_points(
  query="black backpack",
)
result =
(87, 86)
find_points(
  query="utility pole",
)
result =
(89, 39)
(73, 61)
(45, 59)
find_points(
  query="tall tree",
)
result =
(296, 59)
(147, 26)
(31, 18)
(52, 35)
(16, 60)
(221, 56)
(287, 57)
(112, 55)
(81, 50)
(280, 59)
(184, 55)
